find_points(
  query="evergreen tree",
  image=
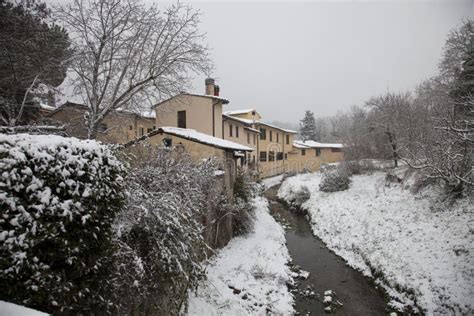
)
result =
(308, 129)
(34, 53)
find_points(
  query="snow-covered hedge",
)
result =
(58, 197)
(334, 181)
(243, 210)
(161, 230)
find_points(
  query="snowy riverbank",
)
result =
(249, 275)
(394, 236)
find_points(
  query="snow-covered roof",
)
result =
(252, 129)
(314, 144)
(148, 114)
(46, 107)
(277, 127)
(194, 135)
(299, 145)
(224, 101)
(235, 112)
(238, 119)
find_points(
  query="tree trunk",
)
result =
(393, 143)
(92, 129)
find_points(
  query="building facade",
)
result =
(268, 149)
(118, 127)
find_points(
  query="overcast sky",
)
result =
(283, 58)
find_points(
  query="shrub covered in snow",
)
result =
(243, 213)
(160, 232)
(334, 181)
(58, 197)
(302, 195)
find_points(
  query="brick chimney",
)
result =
(210, 86)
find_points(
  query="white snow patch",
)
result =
(255, 266)
(272, 181)
(388, 229)
(10, 309)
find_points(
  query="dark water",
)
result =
(327, 271)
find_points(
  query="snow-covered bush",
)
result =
(243, 213)
(362, 166)
(301, 195)
(328, 167)
(160, 232)
(58, 197)
(352, 167)
(334, 181)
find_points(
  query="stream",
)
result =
(358, 295)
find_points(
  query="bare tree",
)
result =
(448, 153)
(389, 114)
(129, 55)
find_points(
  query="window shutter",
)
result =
(182, 119)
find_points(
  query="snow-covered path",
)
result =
(379, 229)
(248, 276)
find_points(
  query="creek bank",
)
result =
(348, 291)
(414, 246)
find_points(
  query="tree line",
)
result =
(430, 128)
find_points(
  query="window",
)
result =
(318, 152)
(303, 152)
(254, 137)
(286, 156)
(336, 150)
(248, 138)
(287, 139)
(263, 133)
(271, 156)
(231, 128)
(154, 127)
(253, 158)
(148, 130)
(182, 119)
(263, 156)
(280, 156)
(167, 142)
(278, 137)
(237, 131)
(271, 136)
(130, 127)
(142, 131)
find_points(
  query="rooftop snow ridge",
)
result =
(192, 134)
(314, 144)
(234, 112)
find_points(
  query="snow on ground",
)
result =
(272, 181)
(249, 275)
(377, 229)
(10, 309)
